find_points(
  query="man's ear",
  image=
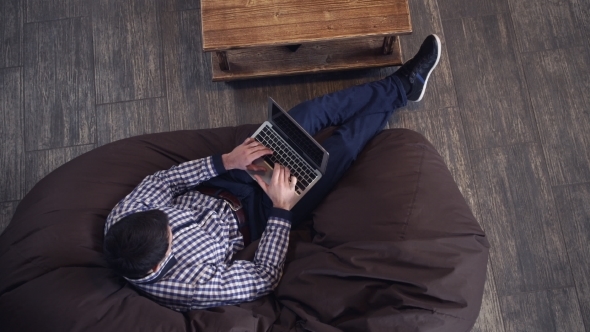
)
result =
(155, 268)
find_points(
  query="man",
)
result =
(176, 243)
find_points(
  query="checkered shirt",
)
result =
(199, 273)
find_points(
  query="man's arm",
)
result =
(207, 285)
(245, 281)
(158, 190)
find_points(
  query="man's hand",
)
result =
(244, 154)
(281, 189)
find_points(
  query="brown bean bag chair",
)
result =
(393, 248)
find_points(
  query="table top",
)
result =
(232, 24)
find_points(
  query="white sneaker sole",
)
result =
(431, 70)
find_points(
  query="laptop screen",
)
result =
(305, 144)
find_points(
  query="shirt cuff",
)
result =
(218, 164)
(281, 214)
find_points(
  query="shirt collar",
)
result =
(151, 278)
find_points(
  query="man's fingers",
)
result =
(293, 182)
(259, 153)
(254, 143)
(248, 141)
(277, 174)
(256, 146)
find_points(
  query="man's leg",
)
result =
(361, 112)
(333, 109)
(365, 111)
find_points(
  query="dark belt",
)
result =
(234, 204)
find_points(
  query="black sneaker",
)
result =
(417, 70)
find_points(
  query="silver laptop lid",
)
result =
(297, 137)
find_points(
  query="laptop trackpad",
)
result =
(265, 175)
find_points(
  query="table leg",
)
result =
(223, 63)
(388, 43)
(293, 48)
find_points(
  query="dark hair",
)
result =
(137, 243)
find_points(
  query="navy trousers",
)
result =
(360, 112)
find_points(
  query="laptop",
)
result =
(292, 147)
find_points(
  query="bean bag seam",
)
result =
(448, 315)
(413, 204)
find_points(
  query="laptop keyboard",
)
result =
(286, 156)
(303, 141)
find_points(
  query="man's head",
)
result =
(136, 245)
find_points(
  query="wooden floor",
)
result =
(508, 107)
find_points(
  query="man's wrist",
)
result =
(226, 159)
(285, 207)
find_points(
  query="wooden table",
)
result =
(257, 38)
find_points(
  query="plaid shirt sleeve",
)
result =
(214, 283)
(159, 189)
(244, 281)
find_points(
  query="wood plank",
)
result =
(46, 10)
(444, 129)
(453, 9)
(581, 9)
(11, 33)
(40, 163)
(177, 5)
(490, 315)
(12, 141)
(122, 120)
(128, 52)
(441, 87)
(545, 25)
(559, 81)
(543, 311)
(188, 73)
(516, 208)
(574, 214)
(59, 91)
(309, 58)
(238, 24)
(7, 210)
(491, 89)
